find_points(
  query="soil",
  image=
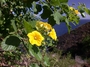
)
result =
(72, 43)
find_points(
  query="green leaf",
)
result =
(57, 17)
(57, 2)
(33, 23)
(87, 11)
(34, 7)
(28, 27)
(65, 7)
(28, 3)
(81, 8)
(35, 52)
(68, 25)
(0, 13)
(51, 21)
(83, 14)
(14, 26)
(63, 1)
(46, 61)
(2, 1)
(10, 43)
(34, 65)
(76, 19)
(46, 12)
(39, 8)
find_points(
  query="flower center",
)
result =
(35, 38)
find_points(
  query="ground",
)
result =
(74, 43)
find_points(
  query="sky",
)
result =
(86, 2)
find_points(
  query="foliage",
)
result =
(10, 58)
(19, 20)
(85, 46)
(59, 60)
(86, 40)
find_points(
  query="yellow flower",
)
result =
(47, 26)
(52, 34)
(35, 38)
(71, 8)
(40, 24)
(76, 11)
(43, 25)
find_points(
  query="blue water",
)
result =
(62, 28)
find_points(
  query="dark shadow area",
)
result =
(82, 50)
(77, 42)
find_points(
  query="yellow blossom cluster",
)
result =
(73, 9)
(43, 26)
(36, 38)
